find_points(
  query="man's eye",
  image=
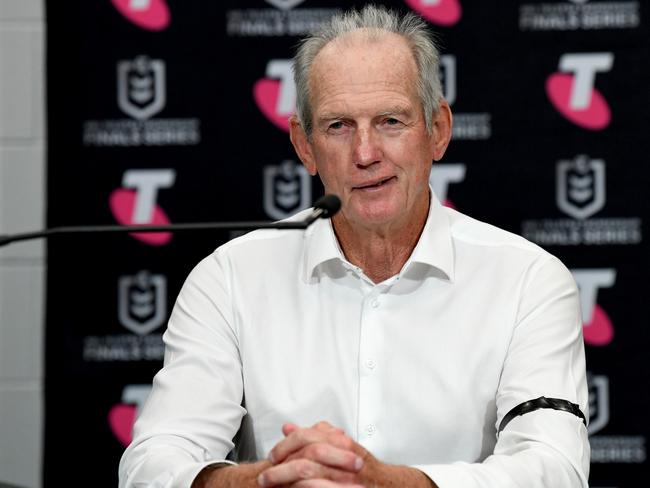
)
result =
(392, 121)
(336, 125)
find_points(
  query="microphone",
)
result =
(325, 207)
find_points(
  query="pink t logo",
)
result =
(122, 416)
(441, 176)
(275, 95)
(574, 95)
(597, 326)
(441, 12)
(148, 14)
(136, 207)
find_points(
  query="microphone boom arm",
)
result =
(324, 207)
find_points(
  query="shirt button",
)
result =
(374, 303)
(370, 429)
(370, 364)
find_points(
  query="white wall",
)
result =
(22, 265)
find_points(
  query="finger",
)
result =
(323, 484)
(301, 469)
(327, 427)
(330, 456)
(288, 428)
(303, 437)
(294, 442)
(323, 425)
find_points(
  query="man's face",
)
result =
(369, 142)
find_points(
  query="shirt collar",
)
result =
(434, 248)
(321, 246)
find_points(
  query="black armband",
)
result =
(542, 402)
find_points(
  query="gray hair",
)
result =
(376, 18)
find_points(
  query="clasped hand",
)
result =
(321, 456)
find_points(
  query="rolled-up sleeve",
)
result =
(545, 448)
(177, 433)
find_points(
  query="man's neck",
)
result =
(380, 252)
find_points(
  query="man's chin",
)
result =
(375, 216)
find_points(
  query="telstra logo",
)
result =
(275, 95)
(440, 12)
(122, 416)
(152, 15)
(572, 91)
(135, 203)
(441, 176)
(597, 326)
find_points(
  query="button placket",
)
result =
(371, 338)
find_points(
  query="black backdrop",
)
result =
(173, 111)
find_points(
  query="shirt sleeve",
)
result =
(545, 448)
(177, 432)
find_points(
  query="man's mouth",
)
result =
(375, 184)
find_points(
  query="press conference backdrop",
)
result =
(176, 111)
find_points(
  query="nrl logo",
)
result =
(581, 186)
(284, 4)
(287, 189)
(142, 303)
(598, 402)
(448, 77)
(141, 87)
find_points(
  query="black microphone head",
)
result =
(329, 204)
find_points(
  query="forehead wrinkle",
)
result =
(395, 110)
(372, 102)
(349, 68)
(391, 110)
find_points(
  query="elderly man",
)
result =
(400, 344)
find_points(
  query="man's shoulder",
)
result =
(266, 242)
(501, 253)
(475, 232)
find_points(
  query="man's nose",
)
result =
(367, 148)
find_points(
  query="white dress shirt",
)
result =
(277, 326)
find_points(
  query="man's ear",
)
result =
(302, 145)
(441, 130)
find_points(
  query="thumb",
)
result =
(288, 428)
